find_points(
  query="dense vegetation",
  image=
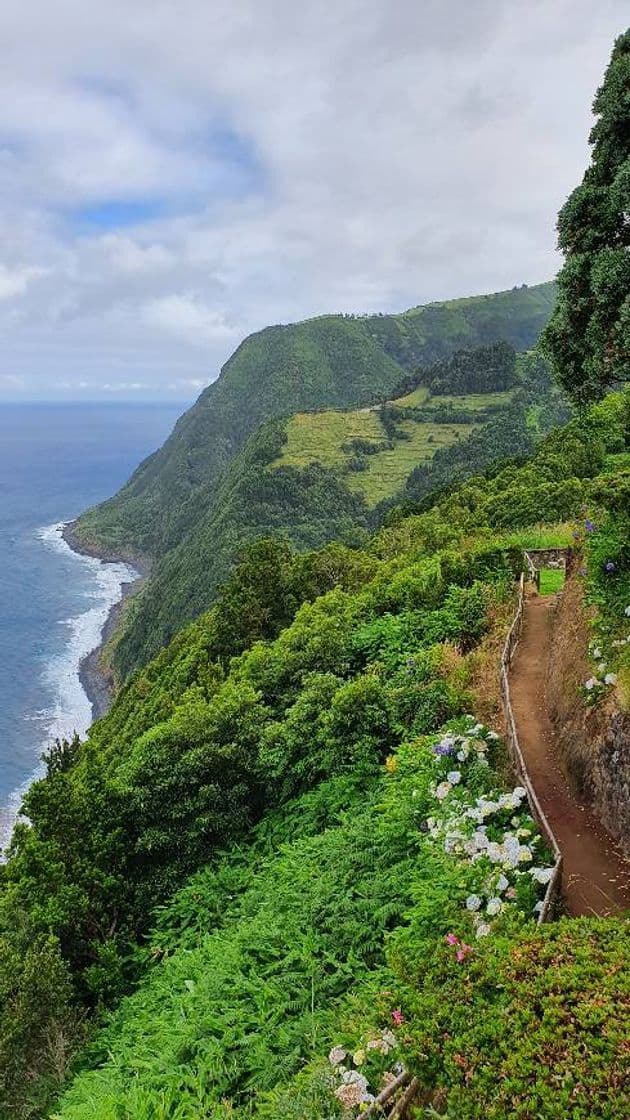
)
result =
(334, 361)
(320, 476)
(358, 655)
(588, 338)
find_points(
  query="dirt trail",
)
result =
(596, 877)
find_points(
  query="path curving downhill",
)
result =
(595, 875)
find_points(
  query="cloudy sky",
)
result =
(177, 173)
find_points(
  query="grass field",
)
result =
(472, 401)
(323, 437)
(320, 436)
(387, 470)
(551, 580)
(415, 399)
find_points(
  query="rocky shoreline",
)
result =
(96, 682)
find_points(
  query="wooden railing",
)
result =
(518, 760)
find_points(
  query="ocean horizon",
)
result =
(55, 461)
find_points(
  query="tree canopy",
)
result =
(588, 336)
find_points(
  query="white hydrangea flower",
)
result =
(462, 755)
(443, 790)
(610, 678)
(495, 852)
(519, 792)
(538, 907)
(627, 611)
(493, 735)
(597, 653)
(502, 884)
(494, 906)
(337, 1055)
(483, 929)
(524, 855)
(541, 874)
(454, 777)
(473, 902)
(590, 684)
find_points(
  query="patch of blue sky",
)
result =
(117, 213)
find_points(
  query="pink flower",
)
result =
(451, 939)
(397, 1017)
(463, 952)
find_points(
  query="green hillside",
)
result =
(251, 861)
(333, 361)
(320, 476)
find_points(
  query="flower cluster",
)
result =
(604, 678)
(462, 950)
(353, 1090)
(493, 832)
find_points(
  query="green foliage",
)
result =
(588, 337)
(532, 1027)
(551, 580)
(274, 713)
(193, 504)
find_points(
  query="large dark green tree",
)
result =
(588, 336)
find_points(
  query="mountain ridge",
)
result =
(332, 360)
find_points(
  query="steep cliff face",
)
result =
(594, 742)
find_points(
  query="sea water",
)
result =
(55, 461)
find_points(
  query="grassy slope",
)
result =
(331, 361)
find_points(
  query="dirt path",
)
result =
(596, 878)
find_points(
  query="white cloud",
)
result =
(272, 161)
(14, 282)
(186, 317)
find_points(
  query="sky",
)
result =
(175, 174)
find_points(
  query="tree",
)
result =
(588, 336)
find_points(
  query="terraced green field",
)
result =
(474, 401)
(319, 437)
(326, 437)
(387, 470)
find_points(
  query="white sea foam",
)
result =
(71, 711)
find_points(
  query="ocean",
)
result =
(55, 461)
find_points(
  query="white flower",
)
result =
(337, 1055)
(495, 852)
(541, 874)
(597, 653)
(502, 884)
(610, 678)
(454, 777)
(443, 790)
(483, 929)
(493, 735)
(627, 611)
(590, 684)
(602, 666)
(473, 902)
(524, 855)
(538, 907)
(494, 906)
(462, 755)
(519, 792)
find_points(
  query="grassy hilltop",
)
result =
(334, 361)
